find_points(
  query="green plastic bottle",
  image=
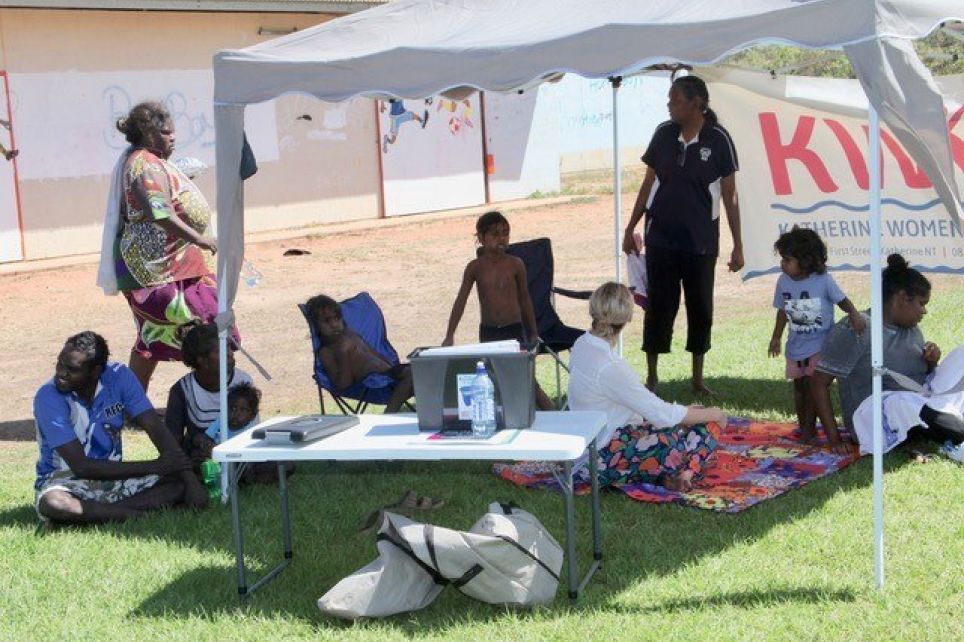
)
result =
(211, 477)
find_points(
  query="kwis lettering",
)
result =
(800, 149)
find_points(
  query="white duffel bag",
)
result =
(507, 557)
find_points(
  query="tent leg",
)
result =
(876, 343)
(616, 81)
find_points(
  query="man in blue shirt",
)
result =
(79, 413)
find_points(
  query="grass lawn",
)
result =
(798, 567)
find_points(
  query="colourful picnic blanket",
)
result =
(756, 460)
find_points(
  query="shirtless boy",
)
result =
(504, 303)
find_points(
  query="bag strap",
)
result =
(428, 531)
(405, 548)
(524, 550)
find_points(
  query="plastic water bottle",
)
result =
(483, 404)
(250, 273)
(211, 477)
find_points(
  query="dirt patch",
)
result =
(412, 270)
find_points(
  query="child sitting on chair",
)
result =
(244, 401)
(503, 293)
(348, 359)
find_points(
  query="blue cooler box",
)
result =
(442, 389)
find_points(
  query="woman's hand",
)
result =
(697, 414)
(629, 243)
(207, 243)
(932, 355)
(736, 260)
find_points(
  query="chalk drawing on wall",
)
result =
(84, 140)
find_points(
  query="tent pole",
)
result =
(616, 81)
(876, 343)
(223, 386)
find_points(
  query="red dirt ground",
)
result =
(411, 266)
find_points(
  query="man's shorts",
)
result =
(797, 368)
(104, 491)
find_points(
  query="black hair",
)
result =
(318, 303)
(92, 345)
(694, 87)
(899, 276)
(200, 340)
(489, 220)
(143, 120)
(806, 247)
(248, 392)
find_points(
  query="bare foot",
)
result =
(681, 482)
(701, 390)
(840, 447)
(808, 435)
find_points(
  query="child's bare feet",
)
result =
(680, 482)
(651, 383)
(700, 389)
(840, 446)
(808, 435)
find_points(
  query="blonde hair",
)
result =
(611, 308)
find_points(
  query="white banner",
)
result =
(802, 146)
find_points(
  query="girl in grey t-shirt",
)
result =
(804, 297)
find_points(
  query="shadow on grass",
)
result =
(756, 398)
(18, 430)
(329, 502)
(741, 599)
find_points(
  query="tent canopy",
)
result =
(417, 48)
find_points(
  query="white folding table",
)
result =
(562, 437)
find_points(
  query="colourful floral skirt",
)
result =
(642, 454)
(161, 311)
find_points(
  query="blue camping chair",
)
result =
(362, 315)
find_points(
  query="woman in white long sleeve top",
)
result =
(646, 439)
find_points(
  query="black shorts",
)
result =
(503, 333)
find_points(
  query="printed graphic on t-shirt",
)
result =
(804, 314)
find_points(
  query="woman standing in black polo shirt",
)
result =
(694, 161)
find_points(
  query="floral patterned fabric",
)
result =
(145, 254)
(161, 311)
(754, 461)
(641, 454)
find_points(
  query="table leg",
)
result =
(243, 589)
(236, 525)
(285, 517)
(570, 509)
(596, 513)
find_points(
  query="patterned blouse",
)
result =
(146, 255)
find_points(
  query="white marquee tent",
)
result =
(417, 48)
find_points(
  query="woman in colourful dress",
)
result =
(645, 439)
(157, 231)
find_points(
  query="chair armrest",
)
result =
(573, 294)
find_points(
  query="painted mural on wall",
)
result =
(431, 154)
